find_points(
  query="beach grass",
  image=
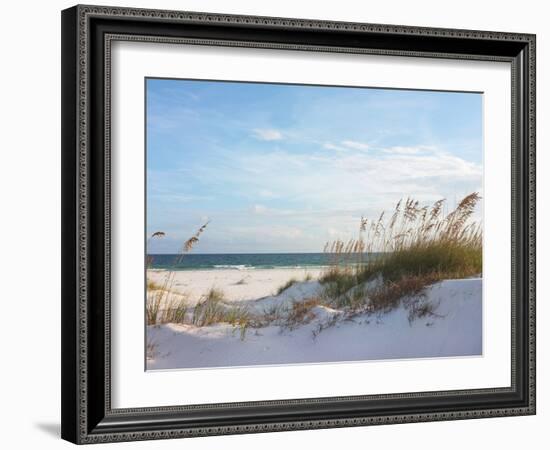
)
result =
(212, 310)
(209, 310)
(412, 249)
(170, 308)
(176, 311)
(286, 285)
(301, 312)
(153, 286)
(152, 310)
(160, 297)
(164, 305)
(390, 263)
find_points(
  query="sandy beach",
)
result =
(304, 236)
(454, 328)
(322, 333)
(236, 284)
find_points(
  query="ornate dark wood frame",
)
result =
(87, 33)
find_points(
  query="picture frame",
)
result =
(88, 415)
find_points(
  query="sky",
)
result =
(285, 168)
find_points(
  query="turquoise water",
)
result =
(242, 261)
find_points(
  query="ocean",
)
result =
(241, 261)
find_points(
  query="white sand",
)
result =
(236, 284)
(454, 328)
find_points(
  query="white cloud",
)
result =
(267, 134)
(320, 194)
(399, 150)
(355, 145)
(344, 146)
(364, 180)
(331, 146)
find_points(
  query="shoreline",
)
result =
(237, 268)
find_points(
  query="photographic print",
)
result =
(299, 224)
(285, 202)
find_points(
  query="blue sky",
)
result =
(285, 168)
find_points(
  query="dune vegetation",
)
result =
(397, 257)
(389, 264)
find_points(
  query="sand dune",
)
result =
(454, 328)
